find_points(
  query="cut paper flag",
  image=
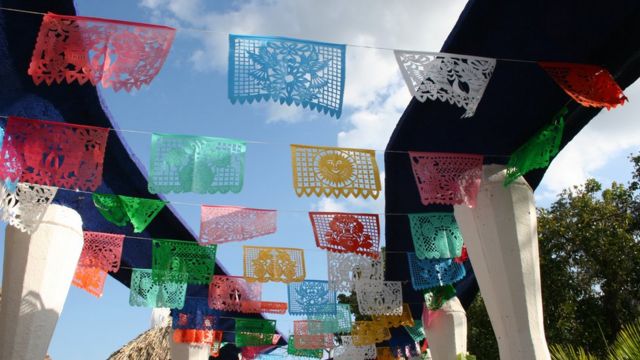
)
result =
(389, 321)
(447, 178)
(90, 279)
(304, 338)
(305, 353)
(199, 337)
(456, 79)
(311, 297)
(429, 273)
(379, 297)
(264, 307)
(368, 333)
(172, 258)
(195, 314)
(435, 235)
(147, 293)
(25, 207)
(416, 331)
(234, 293)
(327, 171)
(589, 85)
(265, 264)
(221, 224)
(120, 210)
(435, 297)
(199, 164)
(538, 151)
(348, 351)
(53, 153)
(347, 233)
(286, 70)
(118, 54)
(340, 323)
(348, 268)
(10, 163)
(385, 353)
(254, 332)
(101, 250)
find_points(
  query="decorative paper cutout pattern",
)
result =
(311, 297)
(307, 353)
(346, 269)
(220, 224)
(306, 339)
(348, 351)
(335, 171)
(538, 151)
(429, 273)
(25, 207)
(457, 79)
(185, 163)
(195, 314)
(286, 70)
(121, 210)
(335, 324)
(90, 279)
(368, 333)
(347, 233)
(196, 336)
(10, 164)
(263, 307)
(171, 258)
(384, 353)
(389, 321)
(115, 53)
(101, 250)
(435, 297)
(447, 178)
(589, 85)
(147, 293)
(435, 235)
(229, 293)
(379, 297)
(273, 264)
(254, 332)
(416, 331)
(53, 153)
(464, 255)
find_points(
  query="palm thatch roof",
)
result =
(151, 344)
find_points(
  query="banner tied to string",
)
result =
(329, 323)
(589, 85)
(327, 171)
(456, 79)
(368, 333)
(306, 339)
(429, 273)
(121, 210)
(416, 331)
(265, 264)
(233, 293)
(195, 314)
(199, 164)
(391, 321)
(435, 297)
(53, 153)
(447, 178)
(254, 332)
(172, 258)
(221, 224)
(311, 297)
(292, 71)
(101, 250)
(348, 268)
(435, 235)
(307, 353)
(212, 338)
(379, 297)
(90, 279)
(347, 233)
(538, 152)
(348, 351)
(24, 208)
(119, 54)
(147, 293)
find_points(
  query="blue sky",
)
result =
(190, 97)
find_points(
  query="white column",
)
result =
(160, 317)
(38, 270)
(181, 351)
(447, 331)
(502, 241)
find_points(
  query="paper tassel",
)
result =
(416, 331)
(447, 178)
(25, 207)
(229, 293)
(172, 258)
(121, 210)
(304, 339)
(286, 70)
(435, 297)
(101, 250)
(457, 79)
(538, 151)
(221, 224)
(348, 351)
(346, 269)
(368, 333)
(429, 273)
(389, 321)
(196, 337)
(184, 163)
(254, 332)
(311, 297)
(265, 264)
(123, 55)
(338, 323)
(90, 279)
(347, 233)
(589, 85)
(306, 353)
(435, 235)
(195, 314)
(147, 293)
(379, 298)
(53, 153)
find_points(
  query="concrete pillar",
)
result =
(502, 242)
(447, 331)
(38, 270)
(183, 351)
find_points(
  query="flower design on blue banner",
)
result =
(311, 297)
(430, 273)
(286, 70)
